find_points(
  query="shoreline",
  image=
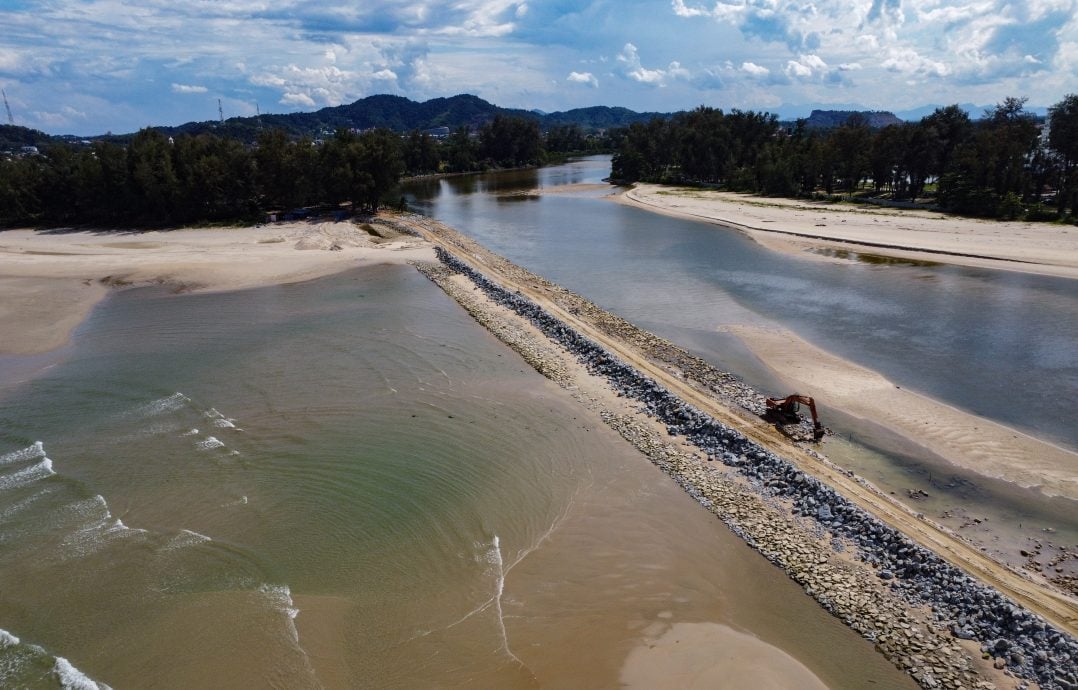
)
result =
(828, 232)
(748, 504)
(53, 279)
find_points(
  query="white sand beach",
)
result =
(803, 226)
(51, 279)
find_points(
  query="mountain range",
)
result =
(402, 114)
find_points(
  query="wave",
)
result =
(98, 533)
(184, 539)
(209, 443)
(73, 679)
(169, 403)
(68, 676)
(27, 475)
(37, 450)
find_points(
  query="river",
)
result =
(998, 344)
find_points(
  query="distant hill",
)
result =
(14, 137)
(829, 119)
(403, 115)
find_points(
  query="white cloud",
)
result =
(583, 78)
(188, 88)
(632, 68)
(805, 66)
(292, 98)
(755, 70)
(909, 61)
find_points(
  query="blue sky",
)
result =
(88, 66)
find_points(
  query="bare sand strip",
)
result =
(851, 591)
(51, 279)
(966, 440)
(973, 443)
(798, 225)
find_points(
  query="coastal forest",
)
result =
(156, 179)
(1005, 165)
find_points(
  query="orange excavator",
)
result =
(785, 409)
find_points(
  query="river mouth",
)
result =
(346, 482)
(996, 345)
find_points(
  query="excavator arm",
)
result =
(788, 407)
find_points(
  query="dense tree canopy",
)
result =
(160, 180)
(997, 166)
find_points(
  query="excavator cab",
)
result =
(785, 412)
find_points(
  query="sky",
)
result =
(91, 66)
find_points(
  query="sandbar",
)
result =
(806, 226)
(52, 278)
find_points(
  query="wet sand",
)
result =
(51, 279)
(803, 226)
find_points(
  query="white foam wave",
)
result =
(208, 443)
(169, 403)
(73, 679)
(7, 639)
(192, 432)
(222, 423)
(98, 533)
(27, 475)
(212, 413)
(22, 505)
(184, 539)
(495, 558)
(241, 501)
(281, 596)
(30, 453)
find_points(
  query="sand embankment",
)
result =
(974, 443)
(804, 226)
(751, 509)
(51, 279)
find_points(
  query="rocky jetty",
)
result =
(914, 605)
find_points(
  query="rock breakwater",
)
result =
(913, 604)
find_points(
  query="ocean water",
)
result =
(348, 483)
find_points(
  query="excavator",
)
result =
(784, 413)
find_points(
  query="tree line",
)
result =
(160, 180)
(999, 166)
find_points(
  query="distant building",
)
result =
(438, 132)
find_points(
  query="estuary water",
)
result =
(998, 344)
(348, 483)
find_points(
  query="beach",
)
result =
(831, 231)
(52, 278)
(50, 268)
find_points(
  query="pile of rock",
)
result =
(1018, 640)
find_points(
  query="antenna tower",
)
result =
(258, 114)
(10, 119)
(220, 111)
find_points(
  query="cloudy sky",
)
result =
(87, 66)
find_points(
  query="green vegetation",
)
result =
(154, 180)
(1000, 166)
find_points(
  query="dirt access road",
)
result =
(1056, 607)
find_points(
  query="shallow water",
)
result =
(1001, 344)
(347, 483)
(998, 344)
